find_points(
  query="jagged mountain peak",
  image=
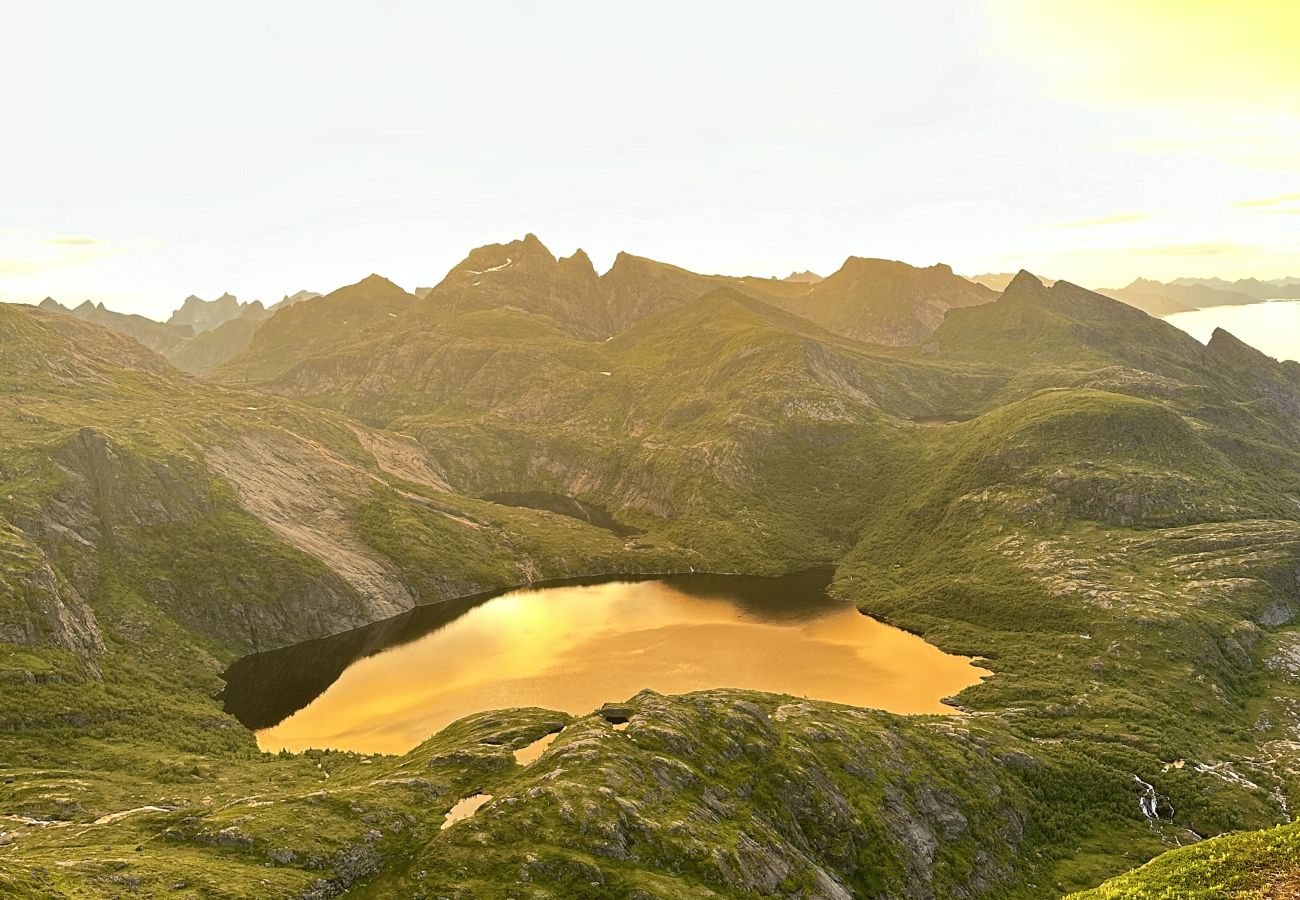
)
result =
(580, 264)
(1025, 283)
(205, 315)
(532, 241)
(1144, 284)
(1229, 350)
(524, 274)
(805, 277)
(527, 253)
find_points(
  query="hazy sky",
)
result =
(152, 150)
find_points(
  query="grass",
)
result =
(1253, 866)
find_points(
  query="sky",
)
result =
(153, 150)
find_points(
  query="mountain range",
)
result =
(199, 336)
(1182, 294)
(1103, 509)
(876, 301)
(1272, 289)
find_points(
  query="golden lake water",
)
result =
(575, 647)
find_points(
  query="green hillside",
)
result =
(1102, 509)
(1249, 866)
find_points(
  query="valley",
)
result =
(1100, 509)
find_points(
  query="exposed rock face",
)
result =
(37, 607)
(105, 488)
(743, 794)
(404, 457)
(205, 315)
(301, 492)
(112, 499)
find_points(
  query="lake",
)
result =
(1272, 326)
(574, 646)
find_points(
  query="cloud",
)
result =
(1116, 219)
(1280, 200)
(75, 242)
(23, 258)
(1238, 56)
(1205, 248)
(21, 266)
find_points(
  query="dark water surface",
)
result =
(575, 645)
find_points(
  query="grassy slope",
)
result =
(885, 302)
(210, 349)
(1256, 865)
(106, 486)
(1109, 545)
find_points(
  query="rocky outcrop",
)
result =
(205, 315)
(37, 606)
(302, 492)
(741, 794)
